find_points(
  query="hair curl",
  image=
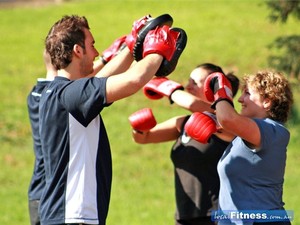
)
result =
(275, 87)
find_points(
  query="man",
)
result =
(75, 145)
(37, 182)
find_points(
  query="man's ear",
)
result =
(78, 50)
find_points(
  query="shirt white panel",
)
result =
(81, 193)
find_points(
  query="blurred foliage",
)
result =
(289, 58)
(282, 9)
(288, 46)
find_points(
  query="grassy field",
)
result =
(234, 34)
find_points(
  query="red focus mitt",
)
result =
(161, 41)
(168, 66)
(151, 24)
(168, 42)
(200, 126)
(142, 120)
(136, 27)
(217, 88)
(159, 87)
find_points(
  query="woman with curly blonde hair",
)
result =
(252, 167)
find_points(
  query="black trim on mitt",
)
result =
(151, 24)
(166, 66)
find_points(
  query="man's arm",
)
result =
(117, 65)
(127, 83)
(159, 44)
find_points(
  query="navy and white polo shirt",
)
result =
(37, 182)
(76, 152)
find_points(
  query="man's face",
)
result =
(90, 53)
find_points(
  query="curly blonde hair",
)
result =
(275, 87)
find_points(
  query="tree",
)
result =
(289, 46)
(282, 9)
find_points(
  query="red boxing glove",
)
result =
(136, 27)
(161, 41)
(217, 88)
(159, 87)
(114, 49)
(142, 120)
(200, 126)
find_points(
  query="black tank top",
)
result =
(196, 179)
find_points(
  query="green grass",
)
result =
(233, 34)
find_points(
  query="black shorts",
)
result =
(33, 206)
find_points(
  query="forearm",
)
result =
(238, 125)
(150, 137)
(117, 65)
(189, 101)
(162, 132)
(129, 82)
(155, 135)
(226, 115)
(139, 74)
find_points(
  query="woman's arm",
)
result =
(190, 102)
(168, 130)
(237, 124)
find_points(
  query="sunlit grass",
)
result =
(233, 34)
